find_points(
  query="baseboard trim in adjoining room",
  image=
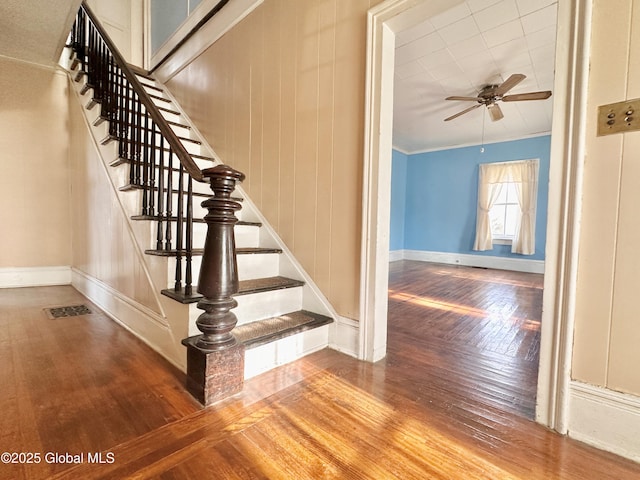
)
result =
(605, 419)
(35, 276)
(483, 261)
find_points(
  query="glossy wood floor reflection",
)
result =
(85, 385)
(474, 333)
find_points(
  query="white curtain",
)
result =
(491, 176)
(525, 176)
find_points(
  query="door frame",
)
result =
(567, 154)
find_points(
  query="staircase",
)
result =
(156, 159)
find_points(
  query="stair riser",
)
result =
(171, 117)
(179, 131)
(257, 306)
(245, 235)
(249, 267)
(266, 357)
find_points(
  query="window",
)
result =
(505, 213)
(507, 197)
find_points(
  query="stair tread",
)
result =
(129, 187)
(266, 284)
(157, 97)
(153, 87)
(195, 220)
(245, 287)
(168, 110)
(197, 252)
(119, 161)
(264, 331)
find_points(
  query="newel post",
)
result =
(215, 361)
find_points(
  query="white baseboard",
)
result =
(34, 276)
(396, 255)
(344, 336)
(606, 419)
(484, 261)
(144, 323)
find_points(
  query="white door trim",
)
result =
(567, 152)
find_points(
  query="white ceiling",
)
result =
(459, 51)
(35, 31)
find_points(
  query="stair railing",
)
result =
(148, 143)
(145, 140)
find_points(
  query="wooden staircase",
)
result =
(280, 314)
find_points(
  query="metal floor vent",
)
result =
(69, 311)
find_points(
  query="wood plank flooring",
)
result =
(473, 332)
(83, 385)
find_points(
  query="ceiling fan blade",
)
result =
(495, 112)
(509, 83)
(466, 110)
(518, 97)
(463, 99)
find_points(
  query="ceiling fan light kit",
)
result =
(491, 94)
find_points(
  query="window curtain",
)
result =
(491, 176)
(525, 176)
(490, 179)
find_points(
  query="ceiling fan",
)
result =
(491, 94)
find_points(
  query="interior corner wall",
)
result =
(34, 184)
(280, 97)
(398, 200)
(442, 193)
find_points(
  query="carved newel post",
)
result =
(215, 361)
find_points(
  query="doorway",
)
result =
(393, 16)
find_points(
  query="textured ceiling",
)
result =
(459, 51)
(35, 31)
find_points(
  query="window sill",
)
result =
(502, 241)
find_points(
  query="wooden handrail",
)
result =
(178, 148)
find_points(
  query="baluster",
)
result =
(121, 112)
(138, 138)
(127, 129)
(179, 226)
(140, 127)
(104, 74)
(132, 140)
(84, 41)
(97, 68)
(145, 168)
(169, 199)
(152, 173)
(88, 68)
(111, 96)
(159, 235)
(189, 237)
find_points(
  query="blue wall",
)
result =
(440, 195)
(398, 200)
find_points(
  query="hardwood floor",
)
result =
(473, 332)
(83, 385)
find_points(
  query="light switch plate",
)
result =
(619, 117)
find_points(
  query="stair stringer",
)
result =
(164, 329)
